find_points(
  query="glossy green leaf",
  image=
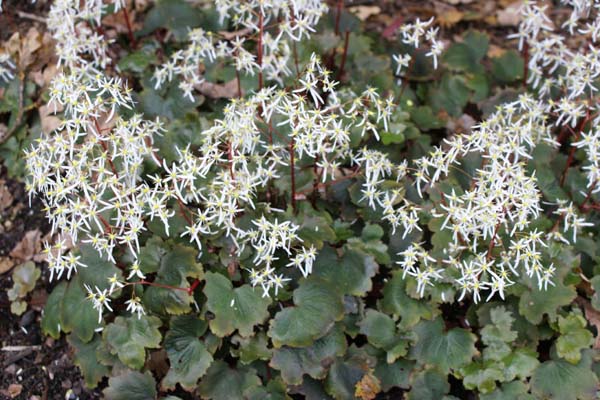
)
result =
(561, 380)
(574, 336)
(447, 351)
(51, 317)
(317, 305)
(131, 385)
(234, 309)
(85, 357)
(224, 383)
(188, 357)
(313, 360)
(129, 338)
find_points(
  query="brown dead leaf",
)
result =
(495, 51)
(511, 15)
(227, 35)
(364, 12)
(368, 387)
(29, 45)
(49, 120)
(219, 91)
(593, 317)
(449, 16)
(6, 264)
(6, 197)
(28, 247)
(117, 22)
(14, 389)
(455, 2)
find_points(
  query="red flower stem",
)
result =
(338, 15)
(293, 173)
(193, 286)
(344, 55)
(129, 28)
(260, 50)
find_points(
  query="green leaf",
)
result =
(351, 273)
(137, 61)
(98, 269)
(51, 318)
(535, 303)
(509, 391)
(87, 361)
(188, 356)
(425, 119)
(396, 374)
(497, 334)
(224, 383)
(177, 264)
(250, 349)
(77, 312)
(428, 385)
(451, 95)
(317, 305)
(240, 308)
(379, 328)
(574, 336)
(130, 337)
(595, 281)
(398, 303)
(561, 380)
(343, 377)
(313, 360)
(520, 364)
(446, 350)
(482, 377)
(478, 43)
(131, 385)
(508, 67)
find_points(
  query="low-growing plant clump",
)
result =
(278, 204)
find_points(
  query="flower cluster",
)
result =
(491, 222)
(89, 169)
(73, 26)
(414, 34)
(276, 23)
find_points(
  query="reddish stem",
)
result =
(129, 28)
(193, 286)
(339, 6)
(293, 174)
(344, 55)
(573, 149)
(525, 63)
(260, 50)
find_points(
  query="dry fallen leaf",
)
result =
(14, 389)
(6, 197)
(511, 15)
(29, 246)
(49, 120)
(368, 387)
(447, 16)
(454, 2)
(6, 264)
(117, 21)
(593, 317)
(364, 12)
(495, 51)
(219, 91)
